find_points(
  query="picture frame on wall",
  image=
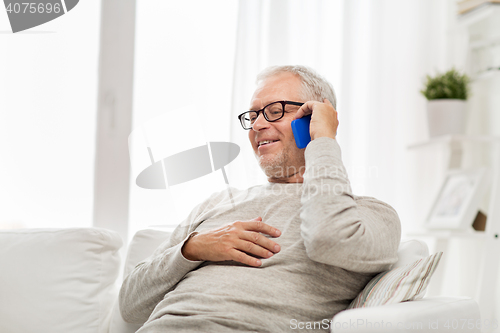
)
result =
(458, 199)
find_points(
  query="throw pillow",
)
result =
(401, 284)
(142, 246)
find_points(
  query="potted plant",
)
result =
(446, 95)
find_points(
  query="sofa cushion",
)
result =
(409, 251)
(143, 244)
(57, 280)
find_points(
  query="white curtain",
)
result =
(276, 33)
(182, 94)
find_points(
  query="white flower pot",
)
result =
(446, 116)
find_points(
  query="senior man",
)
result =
(296, 250)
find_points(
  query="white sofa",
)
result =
(65, 280)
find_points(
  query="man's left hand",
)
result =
(324, 120)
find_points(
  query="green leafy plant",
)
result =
(449, 85)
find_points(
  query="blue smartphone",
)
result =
(300, 128)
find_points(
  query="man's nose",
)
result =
(260, 123)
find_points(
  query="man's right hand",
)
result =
(233, 242)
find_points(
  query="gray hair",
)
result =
(314, 86)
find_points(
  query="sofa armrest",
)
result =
(433, 314)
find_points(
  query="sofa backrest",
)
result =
(143, 244)
(57, 280)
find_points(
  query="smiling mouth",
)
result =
(266, 142)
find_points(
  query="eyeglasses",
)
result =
(272, 112)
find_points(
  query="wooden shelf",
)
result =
(448, 139)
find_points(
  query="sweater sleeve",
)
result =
(359, 234)
(154, 277)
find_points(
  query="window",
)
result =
(48, 88)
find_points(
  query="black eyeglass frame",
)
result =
(283, 103)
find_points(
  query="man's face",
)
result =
(281, 161)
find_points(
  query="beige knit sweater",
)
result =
(332, 244)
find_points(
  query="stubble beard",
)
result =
(279, 165)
